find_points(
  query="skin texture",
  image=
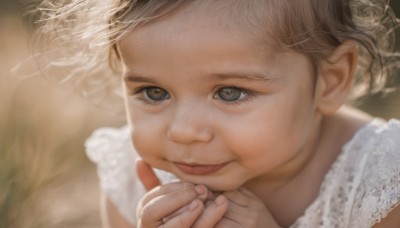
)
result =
(205, 94)
(112, 218)
(194, 124)
(239, 208)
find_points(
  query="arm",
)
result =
(391, 220)
(110, 216)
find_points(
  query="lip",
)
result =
(197, 169)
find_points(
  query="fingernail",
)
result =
(200, 189)
(220, 200)
(193, 205)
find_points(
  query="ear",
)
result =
(335, 77)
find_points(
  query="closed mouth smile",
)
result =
(197, 169)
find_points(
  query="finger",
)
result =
(161, 206)
(211, 196)
(187, 218)
(212, 213)
(238, 198)
(240, 205)
(226, 223)
(245, 209)
(203, 196)
(166, 189)
(146, 175)
(176, 213)
(204, 193)
(247, 193)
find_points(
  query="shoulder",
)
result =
(374, 161)
(363, 185)
(114, 155)
(107, 141)
(112, 151)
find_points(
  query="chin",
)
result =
(213, 184)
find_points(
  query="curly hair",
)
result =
(85, 33)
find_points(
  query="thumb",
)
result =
(146, 175)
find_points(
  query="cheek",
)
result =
(146, 138)
(270, 135)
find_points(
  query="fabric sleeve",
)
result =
(113, 153)
(111, 150)
(379, 191)
(363, 185)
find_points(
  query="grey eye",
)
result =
(156, 94)
(230, 93)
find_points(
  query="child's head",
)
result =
(314, 28)
(222, 92)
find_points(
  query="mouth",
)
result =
(196, 169)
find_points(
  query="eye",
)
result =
(155, 93)
(230, 94)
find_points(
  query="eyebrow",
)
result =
(248, 76)
(137, 78)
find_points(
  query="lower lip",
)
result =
(199, 169)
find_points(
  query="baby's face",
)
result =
(216, 106)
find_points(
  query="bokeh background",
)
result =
(45, 178)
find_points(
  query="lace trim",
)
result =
(360, 189)
(112, 151)
(363, 185)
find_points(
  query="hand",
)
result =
(245, 210)
(239, 208)
(146, 175)
(176, 204)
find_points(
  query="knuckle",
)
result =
(253, 218)
(148, 213)
(238, 198)
(201, 222)
(224, 224)
(181, 222)
(187, 185)
(183, 197)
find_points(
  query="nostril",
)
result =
(189, 134)
(189, 123)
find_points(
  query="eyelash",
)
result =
(142, 98)
(248, 95)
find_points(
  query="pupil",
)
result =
(157, 94)
(229, 94)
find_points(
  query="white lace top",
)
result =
(361, 188)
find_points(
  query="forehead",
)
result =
(199, 20)
(252, 18)
(202, 39)
(182, 50)
(191, 35)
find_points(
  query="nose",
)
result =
(190, 124)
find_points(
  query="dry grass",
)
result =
(45, 178)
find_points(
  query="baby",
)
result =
(240, 107)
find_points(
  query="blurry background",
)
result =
(45, 178)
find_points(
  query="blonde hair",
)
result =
(86, 32)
